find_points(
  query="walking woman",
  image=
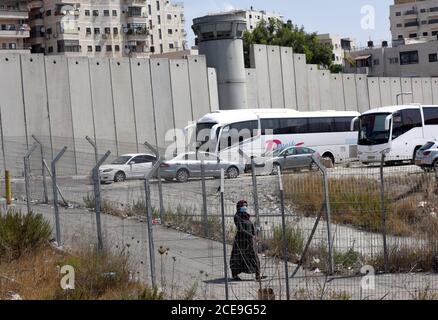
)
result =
(244, 258)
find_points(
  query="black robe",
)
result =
(244, 258)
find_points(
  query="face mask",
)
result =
(243, 210)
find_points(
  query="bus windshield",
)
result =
(372, 129)
(203, 131)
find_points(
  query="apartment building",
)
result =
(13, 27)
(111, 28)
(341, 46)
(410, 60)
(413, 19)
(253, 17)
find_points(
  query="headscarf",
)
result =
(243, 215)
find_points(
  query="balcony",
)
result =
(411, 12)
(412, 24)
(14, 31)
(14, 14)
(35, 4)
(136, 31)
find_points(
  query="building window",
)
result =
(399, 25)
(424, 22)
(423, 10)
(376, 62)
(89, 48)
(159, 19)
(106, 13)
(50, 49)
(433, 57)
(49, 13)
(169, 17)
(400, 36)
(160, 34)
(98, 48)
(434, 33)
(115, 31)
(393, 60)
(150, 9)
(95, 13)
(88, 31)
(171, 46)
(87, 13)
(409, 57)
(109, 48)
(425, 34)
(413, 35)
(161, 48)
(152, 49)
(158, 5)
(114, 13)
(107, 30)
(117, 48)
(398, 14)
(169, 31)
(96, 30)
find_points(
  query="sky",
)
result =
(342, 17)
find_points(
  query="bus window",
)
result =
(430, 115)
(293, 126)
(319, 125)
(344, 124)
(270, 126)
(406, 120)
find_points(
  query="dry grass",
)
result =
(356, 201)
(98, 276)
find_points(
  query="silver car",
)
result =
(188, 165)
(427, 156)
(293, 158)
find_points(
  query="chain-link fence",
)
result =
(350, 232)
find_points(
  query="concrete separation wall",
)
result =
(304, 87)
(118, 102)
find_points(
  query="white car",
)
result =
(128, 166)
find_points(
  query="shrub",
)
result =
(21, 233)
(294, 240)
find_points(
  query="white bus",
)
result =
(262, 130)
(397, 131)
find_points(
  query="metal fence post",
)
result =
(328, 213)
(204, 200)
(224, 235)
(283, 226)
(255, 192)
(160, 195)
(383, 212)
(94, 145)
(55, 195)
(98, 200)
(8, 189)
(27, 176)
(43, 170)
(149, 212)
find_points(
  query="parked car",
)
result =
(295, 158)
(427, 156)
(128, 166)
(188, 165)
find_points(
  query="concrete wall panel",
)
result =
(104, 122)
(385, 91)
(435, 91)
(182, 104)
(162, 99)
(275, 77)
(82, 112)
(61, 121)
(214, 94)
(123, 106)
(324, 90)
(143, 102)
(35, 98)
(313, 85)
(417, 90)
(427, 90)
(337, 92)
(395, 89)
(363, 101)
(374, 93)
(251, 88)
(259, 61)
(406, 84)
(288, 74)
(349, 81)
(12, 112)
(199, 86)
(301, 82)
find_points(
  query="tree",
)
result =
(276, 32)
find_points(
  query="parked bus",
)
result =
(397, 131)
(260, 131)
